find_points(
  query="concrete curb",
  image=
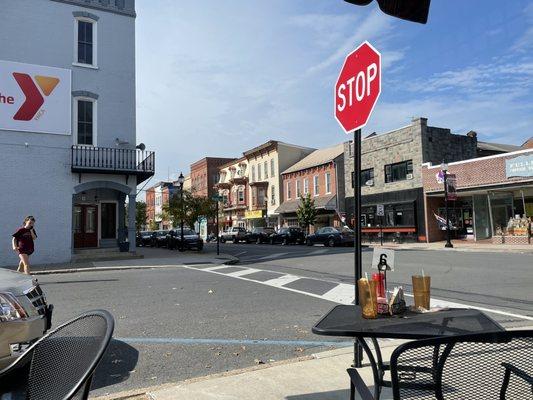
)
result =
(229, 260)
(457, 249)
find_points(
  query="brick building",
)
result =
(492, 191)
(156, 197)
(392, 174)
(233, 187)
(204, 175)
(318, 175)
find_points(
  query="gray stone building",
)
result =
(69, 155)
(391, 174)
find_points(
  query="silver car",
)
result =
(24, 314)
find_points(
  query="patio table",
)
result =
(347, 321)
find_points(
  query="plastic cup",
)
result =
(421, 285)
(368, 299)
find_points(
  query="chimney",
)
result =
(472, 134)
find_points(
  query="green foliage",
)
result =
(153, 225)
(140, 214)
(190, 209)
(306, 212)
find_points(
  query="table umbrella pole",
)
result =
(358, 351)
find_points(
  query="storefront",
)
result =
(494, 199)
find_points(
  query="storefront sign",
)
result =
(519, 166)
(380, 210)
(253, 214)
(34, 98)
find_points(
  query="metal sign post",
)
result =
(358, 259)
(380, 212)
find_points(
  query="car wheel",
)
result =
(285, 241)
(308, 242)
(235, 239)
(272, 241)
(222, 240)
(258, 241)
(200, 247)
(331, 242)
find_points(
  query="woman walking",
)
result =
(23, 243)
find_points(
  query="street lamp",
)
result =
(444, 168)
(181, 180)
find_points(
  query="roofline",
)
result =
(315, 165)
(211, 158)
(428, 165)
(229, 163)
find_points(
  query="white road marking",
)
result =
(323, 251)
(282, 280)
(275, 255)
(239, 254)
(246, 271)
(343, 293)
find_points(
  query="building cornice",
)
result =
(108, 6)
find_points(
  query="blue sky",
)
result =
(215, 78)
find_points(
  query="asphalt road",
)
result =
(178, 323)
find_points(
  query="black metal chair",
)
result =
(488, 366)
(61, 364)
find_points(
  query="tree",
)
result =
(189, 209)
(153, 225)
(306, 212)
(140, 214)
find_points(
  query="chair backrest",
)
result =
(463, 367)
(63, 361)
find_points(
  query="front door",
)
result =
(108, 220)
(85, 222)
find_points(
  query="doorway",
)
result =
(85, 223)
(108, 220)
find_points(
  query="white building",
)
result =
(67, 125)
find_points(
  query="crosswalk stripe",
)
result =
(282, 280)
(342, 293)
(275, 255)
(246, 271)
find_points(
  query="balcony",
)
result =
(108, 160)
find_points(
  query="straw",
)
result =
(366, 275)
(423, 274)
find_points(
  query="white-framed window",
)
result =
(265, 165)
(289, 195)
(259, 175)
(316, 189)
(85, 42)
(240, 195)
(273, 195)
(85, 121)
(306, 186)
(298, 189)
(253, 173)
(328, 182)
(272, 170)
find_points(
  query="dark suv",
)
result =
(190, 238)
(287, 236)
(259, 235)
(159, 239)
(330, 236)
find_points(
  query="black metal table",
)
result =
(347, 321)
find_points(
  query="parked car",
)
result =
(191, 239)
(259, 235)
(25, 315)
(144, 238)
(235, 234)
(287, 236)
(330, 236)
(159, 239)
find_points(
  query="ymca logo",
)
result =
(34, 98)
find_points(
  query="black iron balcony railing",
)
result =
(108, 160)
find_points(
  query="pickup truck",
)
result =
(25, 316)
(235, 234)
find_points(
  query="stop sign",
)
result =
(358, 87)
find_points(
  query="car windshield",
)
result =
(186, 232)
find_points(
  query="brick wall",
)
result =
(309, 174)
(433, 233)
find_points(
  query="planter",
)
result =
(124, 246)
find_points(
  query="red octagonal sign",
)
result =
(358, 87)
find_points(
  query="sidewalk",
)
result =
(319, 377)
(458, 245)
(152, 258)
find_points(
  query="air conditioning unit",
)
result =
(409, 176)
(370, 182)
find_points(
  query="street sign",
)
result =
(358, 87)
(380, 210)
(451, 181)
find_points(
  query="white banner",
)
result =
(35, 98)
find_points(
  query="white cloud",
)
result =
(525, 41)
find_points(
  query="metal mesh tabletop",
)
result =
(346, 320)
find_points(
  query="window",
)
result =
(272, 171)
(259, 177)
(273, 195)
(366, 176)
(266, 169)
(288, 190)
(253, 173)
(298, 189)
(241, 195)
(85, 49)
(85, 117)
(316, 189)
(306, 186)
(398, 172)
(328, 182)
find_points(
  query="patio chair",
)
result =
(61, 364)
(488, 366)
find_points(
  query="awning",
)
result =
(321, 203)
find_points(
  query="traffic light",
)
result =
(410, 10)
